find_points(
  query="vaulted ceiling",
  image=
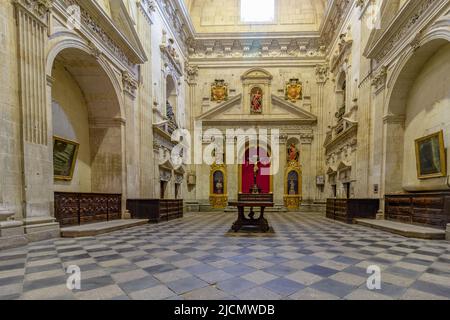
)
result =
(223, 16)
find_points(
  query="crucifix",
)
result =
(255, 189)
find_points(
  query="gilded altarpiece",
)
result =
(293, 185)
(218, 186)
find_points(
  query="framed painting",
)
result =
(64, 158)
(430, 156)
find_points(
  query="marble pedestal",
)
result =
(11, 231)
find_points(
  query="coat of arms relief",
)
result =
(219, 91)
(294, 90)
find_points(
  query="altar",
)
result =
(252, 201)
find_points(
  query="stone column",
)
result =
(32, 19)
(191, 77)
(308, 179)
(278, 183)
(321, 79)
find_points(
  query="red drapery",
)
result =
(263, 177)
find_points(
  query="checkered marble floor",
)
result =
(308, 257)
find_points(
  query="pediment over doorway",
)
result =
(279, 112)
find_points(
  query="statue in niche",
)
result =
(292, 187)
(293, 154)
(218, 182)
(256, 100)
(293, 183)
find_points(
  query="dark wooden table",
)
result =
(242, 221)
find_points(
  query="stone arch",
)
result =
(102, 92)
(402, 77)
(58, 44)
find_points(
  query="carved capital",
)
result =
(379, 79)
(129, 84)
(39, 9)
(322, 73)
(191, 72)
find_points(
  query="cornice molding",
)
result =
(103, 29)
(410, 20)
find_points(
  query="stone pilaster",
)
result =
(132, 128)
(191, 77)
(321, 79)
(307, 168)
(31, 21)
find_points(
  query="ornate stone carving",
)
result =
(129, 83)
(413, 15)
(171, 59)
(91, 24)
(322, 72)
(342, 53)
(379, 79)
(177, 19)
(38, 8)
(257, 48)
(191, 71)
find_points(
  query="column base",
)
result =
(11, 231)
(380, 215)
(41, 228)
(126, 215)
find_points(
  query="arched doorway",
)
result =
(255, 157)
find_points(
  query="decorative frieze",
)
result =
(412, 15)
(91, 23)
(256, 48)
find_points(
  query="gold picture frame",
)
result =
(430, 156)
(65, 154)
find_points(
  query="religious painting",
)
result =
(64, 158)
(218, 182)
(219, 91)
(293, 153)
(292, 183)
(294, 90)
(256, 100)
(430, 156)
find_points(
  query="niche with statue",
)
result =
(218, 186)
(293, 176)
